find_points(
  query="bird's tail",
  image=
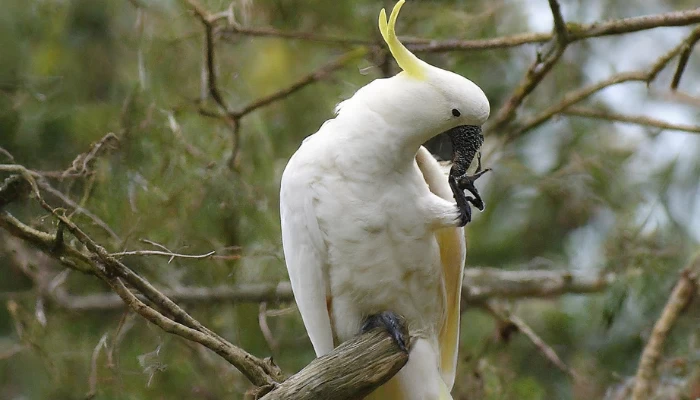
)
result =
(419, 379)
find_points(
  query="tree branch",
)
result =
(317, 75)
(480, 284)
(541, 345)
(537, 71)
(632, 119)
(101, 264)
(687, 48)
(682, 293)
(583, 93)
(351, 371)
(575, 32)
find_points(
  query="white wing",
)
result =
(452, 255)
(305, 252)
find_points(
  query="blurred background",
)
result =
(586, 195)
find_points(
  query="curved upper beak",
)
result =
(466, 142)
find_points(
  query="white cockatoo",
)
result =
(371, 225)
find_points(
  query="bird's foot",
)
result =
(393, 323)
(465, 211)
(466, 182)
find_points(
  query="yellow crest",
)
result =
(408, 62)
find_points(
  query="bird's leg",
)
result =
(390, 321)
(466, 182)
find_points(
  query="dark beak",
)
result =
(466, 142)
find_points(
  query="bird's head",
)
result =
(425, 100)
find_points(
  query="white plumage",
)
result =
(369, 223)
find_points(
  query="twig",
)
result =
(663, 61)
(77, 208)
(633, 119)
(272, 343)
(235, 29)
(681, 295)
(233, 118)
(576, 96)
(688, 45)
(541, 345)
(162, 253)
(232, 122)
(317, 75)
(92, 380)
(7, 154)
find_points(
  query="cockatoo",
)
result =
(372, 227)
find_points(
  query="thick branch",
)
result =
(681, 295)
(350, 371)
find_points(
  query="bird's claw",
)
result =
(465, 212)
(466, 182)
(390, 321)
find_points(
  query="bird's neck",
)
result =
(381, 145)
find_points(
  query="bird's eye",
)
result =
(456, 112)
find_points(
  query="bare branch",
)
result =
(162, 253)
(481, 284)
(560, 29)
(317, 75)
(92, 380)
(687, 48)
(235, 29)
(109, 269)
(576, 96)
(681, 295)
(537, 71)
(350, 371)
(580, 94)
(7, 154)
(249, 293)
(633, 119)
(541, 345)
(575, 32)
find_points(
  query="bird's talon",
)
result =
(393, 323)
